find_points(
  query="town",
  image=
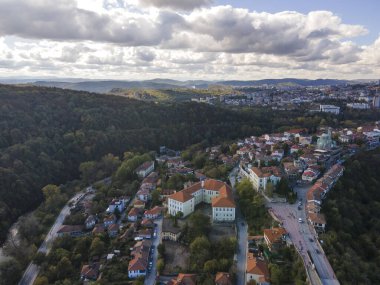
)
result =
(184, 222)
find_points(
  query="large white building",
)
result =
(210, 191)
(329, 109)
(261, 176)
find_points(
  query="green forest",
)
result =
(46, 133)
(352, 209)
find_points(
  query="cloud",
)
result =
(177, 4)
(121, 38)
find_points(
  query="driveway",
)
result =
(32, 270)
(304, 238)
(151, 276)
(242, 236)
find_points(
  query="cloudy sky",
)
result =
(190, 39)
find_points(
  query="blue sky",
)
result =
(358, 12)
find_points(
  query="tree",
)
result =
(88, 171)
(64, 268)
(269, 189)
(160, 265)
(10, 272)
(211, 266)
(161, 250)
(155, 197)
(41, 280)
(97, 247)
(199, 252)
(39, 258)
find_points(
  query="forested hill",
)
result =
(45, 133)
(352, 209)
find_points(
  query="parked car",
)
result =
(299, 220)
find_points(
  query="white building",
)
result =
(261, 176)
(210, 191)
(329, 109)
(145, 169)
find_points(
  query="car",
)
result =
(299, 208)
(299, 220)
(317, 251)
(242, 223)
(311, 239)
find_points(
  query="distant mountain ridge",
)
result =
(104, 86)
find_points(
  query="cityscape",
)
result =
(192, 142)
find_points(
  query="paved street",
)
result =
(304, 238)
(151, 277)
(242, 237)
(31, 272)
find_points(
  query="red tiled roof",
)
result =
(223, 278)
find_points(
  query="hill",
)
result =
(104, 86)
(352, 241)
(45, 133)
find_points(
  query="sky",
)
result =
(190, 39)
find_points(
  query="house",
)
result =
(317, 220)
(261, 176)
(134, 214)
(113, 230)
(257, 269)
(98, 229)
(90, 222)
(109, 220)
(90, 271)
(167, 192)
(70, 230)
(274, 238)
(210, 191)
(147, 223)
(174, 162)
(169, 231)
(139, 204)
(310, 174)
(116, 204)
(153, 213)
(184, 279)
(144, 234)
(223, 278)
(140, 256)
(143, 194)
(145, 169)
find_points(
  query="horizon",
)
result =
(190, 40)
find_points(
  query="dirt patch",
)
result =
(176, 257)
(220, 231)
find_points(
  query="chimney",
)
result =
(203, 183)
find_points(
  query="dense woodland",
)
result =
(45, 133)
(352, 241)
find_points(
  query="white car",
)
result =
(299, 220)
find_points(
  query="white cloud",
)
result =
(122, 39)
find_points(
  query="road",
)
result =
(242, 237)
(151, 277)
(32, 270)
(304, 238)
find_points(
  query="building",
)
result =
(90, 271)
(257, 269)
(140, 256)
(325, 141)
(358, 106)
(261, 176)
(210, 191)
(153, 213)
(145, 169)
(70, 230)
(116, 204)
(109, 220)
(169, 231)
(329, 109)
(318, 221)
(113, 230)
(223, 278)
(90, 222)
(184, 279)
(274, 238)
(376, 102)
(310, 174)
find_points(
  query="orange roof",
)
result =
(223, 278)
(180, 196)
(274, 234)
(223, 202)
(317, 218)
(137, 264)
(257, 266)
